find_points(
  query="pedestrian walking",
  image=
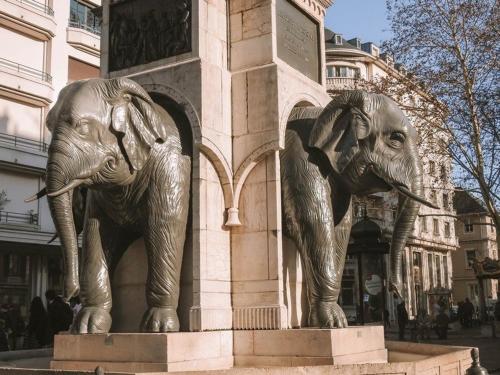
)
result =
(402, 319)
(468, 312)
(423, 325)
(59, 313)
(37, 332)
(4, 339)
(442, 321)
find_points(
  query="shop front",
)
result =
(364, 280)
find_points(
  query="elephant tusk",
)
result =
(73, 184)
(405, 191)
(38, 195)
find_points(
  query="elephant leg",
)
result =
(164, 237)
(309, 221)
(95, 294)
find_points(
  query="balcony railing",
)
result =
(342, 83)
(40, 6)
(16, 218)
(15, 141)
(20, 68)
(80, 25)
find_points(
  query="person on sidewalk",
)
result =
(468, 313)
(442, 321)
(37, 332)
(402, 319)
(497, 307)
(423, 325)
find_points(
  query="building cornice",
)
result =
(326, 3)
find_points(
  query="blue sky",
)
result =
(365, 19)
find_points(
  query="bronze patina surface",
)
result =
(110, 137)
(359, 144)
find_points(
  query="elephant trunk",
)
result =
(407, 213)
(62, 214)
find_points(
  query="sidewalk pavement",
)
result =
(489, 348)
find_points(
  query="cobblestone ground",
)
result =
(489, 348)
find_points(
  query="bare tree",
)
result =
(451, 48)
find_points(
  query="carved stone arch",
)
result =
(248, 165)
(221, 166)
(206, 146)
(298, 100)
(183, 102)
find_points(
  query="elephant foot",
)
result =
(92, 320)
(160, 319)
(327, 315)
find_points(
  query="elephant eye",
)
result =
(397, 139)
(82, 127)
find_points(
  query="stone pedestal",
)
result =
(202, 351)
(310, 347)
(141, 352)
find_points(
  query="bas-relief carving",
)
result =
(148, 30)
(359, 144)
(109, 136)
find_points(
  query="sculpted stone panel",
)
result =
(148, 30)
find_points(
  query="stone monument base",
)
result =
(310, 347)
(191, 351)
(144, 352)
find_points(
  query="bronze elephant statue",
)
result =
(110, 137)
(359, 144)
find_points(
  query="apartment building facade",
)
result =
(477, 238)
(427, 266)
(45, 45)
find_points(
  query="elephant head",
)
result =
(102, 134)
(372, 147)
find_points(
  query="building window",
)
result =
(431, 270)
(445, 269)
(333, 71)
(338, 39)
(432, 167)
(474, 293)
(470, 256)
(468, 227)
(438, 271)
(446, 202)
(435, 226)
(423, 224)
(417, 281)
(443, 173)
(433, 196)
(79, 70)
(447, 232)
(81, 16)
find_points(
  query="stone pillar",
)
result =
(234, 70)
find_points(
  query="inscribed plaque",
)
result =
(142, 31)
(298, 39)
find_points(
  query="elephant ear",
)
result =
(136, 121)
(339, 127)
